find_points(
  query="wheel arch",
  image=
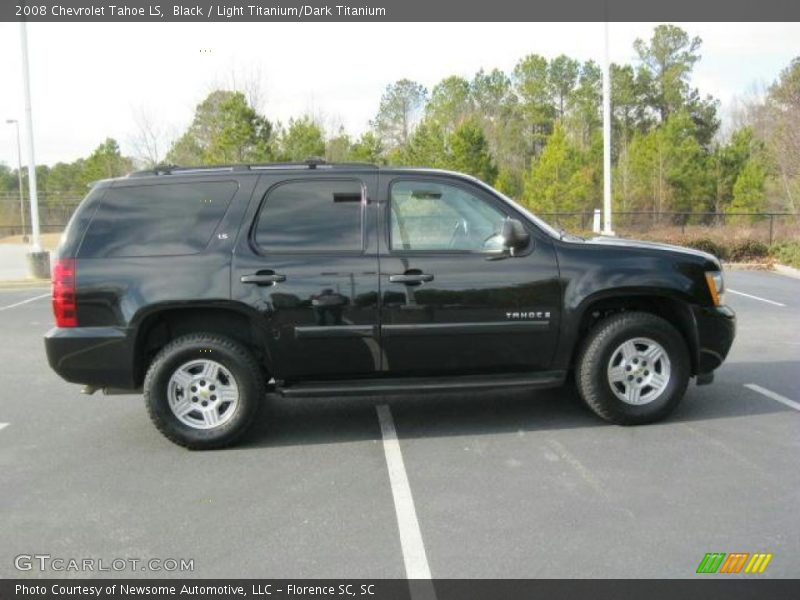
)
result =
(671, 308)
(157, 327)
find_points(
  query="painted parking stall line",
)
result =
(772, 395)
(751, 296)
(414, 557)
(3, 426)
(26, 301)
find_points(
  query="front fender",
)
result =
(592, 278)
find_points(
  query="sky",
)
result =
(92, 81)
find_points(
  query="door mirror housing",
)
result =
(515, 236)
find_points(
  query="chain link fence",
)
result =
(764, 227)
(55, 209)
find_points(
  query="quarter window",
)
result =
(157, 220)
(431, 216)
(321, 216)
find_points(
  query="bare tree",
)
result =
(774, 115)
(748, 110)
(150, 140)
(247, 80)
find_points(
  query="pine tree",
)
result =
(469, 152)
(559, 180)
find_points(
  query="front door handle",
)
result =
(411, 278)
(263, 278)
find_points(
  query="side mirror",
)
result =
(515, 236)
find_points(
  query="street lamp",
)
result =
(19, 174)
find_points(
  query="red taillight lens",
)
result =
(64, 306)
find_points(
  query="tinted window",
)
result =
(157, 220)
(435, 216)
(311, 215)
(71, 238)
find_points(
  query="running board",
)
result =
(403, 385)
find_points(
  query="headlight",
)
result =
(716, 287)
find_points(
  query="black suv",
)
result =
(206, 287)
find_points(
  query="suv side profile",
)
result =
(206, 287)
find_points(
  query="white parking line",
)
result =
(773, 395)
(416, 562)
(3, 425)
(47, 295)
(754, 297)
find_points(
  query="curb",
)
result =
(747, 266)
(787, 270)
(21, 284)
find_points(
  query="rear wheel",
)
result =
(203, 391)
(633, 368)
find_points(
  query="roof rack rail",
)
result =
(161, 169)
(310, 163)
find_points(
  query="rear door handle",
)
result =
(263, 278)
(410, 278)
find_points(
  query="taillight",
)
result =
(64, 306)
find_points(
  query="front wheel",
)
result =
(633, 368)
(203, 391)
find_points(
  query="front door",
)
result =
(452, 301)
(308, 264)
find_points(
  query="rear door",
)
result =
(452, 302)
(306, 261)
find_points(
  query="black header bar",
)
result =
(398, 10)
(398, 589)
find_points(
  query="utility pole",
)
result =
(19, 176)
(36, 246)
(607, 229)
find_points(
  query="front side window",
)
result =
(321, 216)
(430, 216)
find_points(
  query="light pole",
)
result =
(36, 247)
(19, 174)
(607, 229)
(38, 259)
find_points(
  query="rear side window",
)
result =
(71, 238)
(157, 220)
(303, 216)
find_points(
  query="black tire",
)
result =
(232, 356)
(592, 379)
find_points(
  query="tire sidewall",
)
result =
(156, 397)
(676, 350)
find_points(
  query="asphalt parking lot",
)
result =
(511, 485)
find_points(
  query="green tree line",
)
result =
(534, 133)
(66, 180)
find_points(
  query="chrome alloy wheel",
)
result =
(638, 371)
(203, 394)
